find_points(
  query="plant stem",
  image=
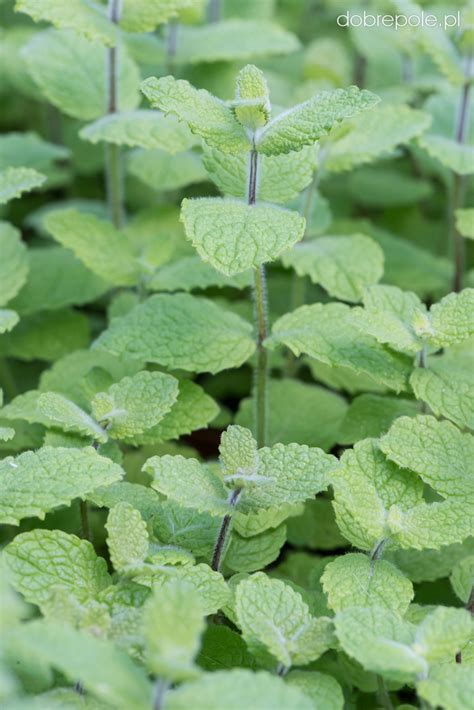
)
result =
(171, 45)
(214, 11)
(458, 182)
(114, 177)
(383, 694)
(161, 686)
(7, 380)
(85, 525)
(224, 531)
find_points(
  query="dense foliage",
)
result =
(236, 356)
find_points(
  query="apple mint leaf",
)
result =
(343, 266)
(275, 620)
(15, 181)
(187, 528)
(57, 411)
(180, 331)
(238, 687)
(370, 415)
(127, 537)
(281, 177)
(465, 222)
(443, 633)
(452, 319)
(354, 580)
(448, 686)
(188, 483)
(250, 524)
(210, 585)
(238, 453)
(136, 403)
(462, 578)
(322, 689)
(102, 248)
(328, 333)
(71, 71)
(252, 99)
(436, 450)
(106, 671)
(143, 499)
(366, 485)
(250, 554)
(234, 237)
(34, 483)
(41, 561)
(207, 116)
(162, 171)
(431, 525)
(14, 263)
(8, 320)
(145, 15)
(451, 154)
(173, 623)
(307, 122)
(191, 273)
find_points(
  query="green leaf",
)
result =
(41, 561)
(443, 633)
(180, 331)
(329, 334)
(145, 15)
(186, 527)
(30, 151)
(275, 619)
(437, 451)
(189, 483)
(238, 688)
(306, 123)
(105, 671)
(455, 156)
(78, 15)
(365, 487)
(355, 580)
(281, 177)
(370, 415)
(140, 129)
(34, 483)
(249, 554)
(343, 266)
(102, 248)
(452, 319)
(140, 497)
(252, 98)
(429, 565)
(162, 171)
(56, 279)
(136, 403)
(295, 424)
(14, 263)
(46, 336)
(127, 537)
(222, 648)
(462, 578)
(238, 452)
(206, 115)
(71, 73)
(448, 686)
(173, 622)
(57, 411)
(15, 181)
(8, 320)
(374, 134)
(431, 525)
(465, 222)
(191, 273)
(254, 523)
(234, 237)
(324, 690)
(210, 585)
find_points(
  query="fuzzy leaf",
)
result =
(34, 483)
(71, 73)
(328, 333)
(452, 319)
(371, 415)
(206, 115)
(127, 536)
(354, 580)
(41, 561)
(343, 266)
(136, 403)
(191, 273)
(443, 633)
(180, 331)
(15, 181)
(249, 554)
(448, 686)
(306, 123)
(431, 525)
(162, 171)
(238, 452)
(57, 411)
(462, 578)
(186, 527)
(451, 154)
(210, 585)
(274, 618)
(234, 237)
(145, 15)
(14, 263)
(324, 690)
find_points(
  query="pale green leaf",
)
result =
(189, 483)
(342, 378)
(452, 319)
(145, 15)
(191, 273)
(436, 450)
(206, 115)
(127, 536)
(370, 415)
(140, 129)
(238, 452)
(6, 433)
(451, 154)
(57, 411)
(14, 262)
(315, 528)
(140, 497)
(34, 483)
(306, 123)
(180, 331)
(15, 181)
(8, 320)
(250, 524)
(343, 266)
(223, 649)
(234, 237)
(41, 561)
(186, 527)
(443, 633)
(462, 578)
(29, 150)
(249, 554)
(431, 525)
(162, 171)
(80, 15)
(275, 619)
(465, 222)
(429, 565)
(210, 585)
(448, 686)
(71, 73)
(238, 688)
(136, 403)
(355, 580)
(280, 177)
(173, 622)
(252, 98)
(329, 334)
(324, 690)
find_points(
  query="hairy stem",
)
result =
(114, 176)
(383, 694)
(161, 686)
(224, 531)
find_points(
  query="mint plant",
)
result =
(236, 356)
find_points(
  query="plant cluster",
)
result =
(236, 357)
